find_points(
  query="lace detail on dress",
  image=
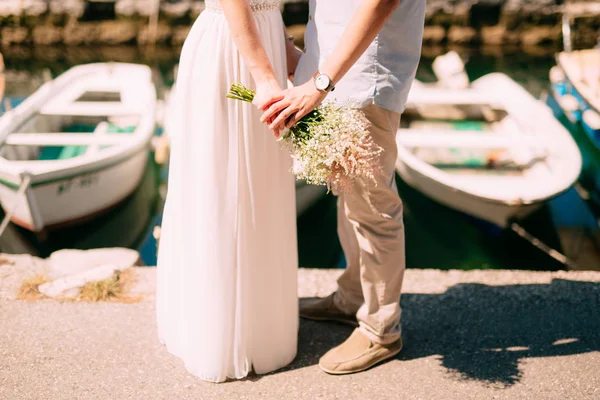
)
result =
(255, 5)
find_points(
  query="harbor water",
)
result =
(436, 236)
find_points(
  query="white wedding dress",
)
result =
(227, 259)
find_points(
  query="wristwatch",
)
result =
(323, 82)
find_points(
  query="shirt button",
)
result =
(310, 17)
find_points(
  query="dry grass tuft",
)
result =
(101, 291)
(114, 288)
(30, 289)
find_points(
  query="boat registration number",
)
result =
(81, 182)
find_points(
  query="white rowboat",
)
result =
(576, 88)
(491, 150)
(77, 146)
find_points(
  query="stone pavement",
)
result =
(468, 335)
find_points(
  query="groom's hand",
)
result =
(295, 104)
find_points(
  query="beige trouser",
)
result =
(371, 232)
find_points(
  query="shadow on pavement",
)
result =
(482, 332)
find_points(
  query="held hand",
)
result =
(267, 93)
(296, 103)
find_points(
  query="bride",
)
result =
(227, 259)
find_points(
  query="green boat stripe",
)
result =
(15, 186)
(11, 185)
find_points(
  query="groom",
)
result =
(366, 51)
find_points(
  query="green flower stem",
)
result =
(299, 132)
(240, 92)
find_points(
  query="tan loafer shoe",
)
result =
(357, 354)
(324, 309)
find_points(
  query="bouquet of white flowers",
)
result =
(331, 145)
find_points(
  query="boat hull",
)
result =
(73, 199)
(307, 196)
(497, 213)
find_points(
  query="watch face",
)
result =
(322, 82)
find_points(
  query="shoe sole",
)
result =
(372, 364)
(353, 324)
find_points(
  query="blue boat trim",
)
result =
(564, 88)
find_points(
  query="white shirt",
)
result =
(384, 73)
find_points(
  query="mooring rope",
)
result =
(24, 185)
(557, 255)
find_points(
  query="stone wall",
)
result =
(464, 22)
(506, 22)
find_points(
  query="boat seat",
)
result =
(49, 153)
(90, 110)
(62, 139)
(439, 96)
(68, 103)
(465, 138)
(568, 103)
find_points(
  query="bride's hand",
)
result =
(267, 93)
